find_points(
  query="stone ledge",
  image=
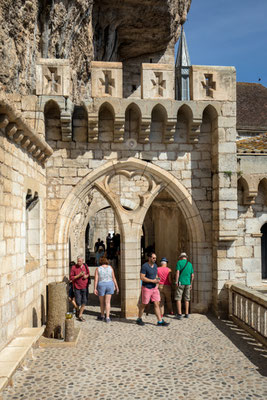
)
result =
(17, 130)
(245, 291)
(12, 355)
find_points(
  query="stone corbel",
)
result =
(250, 189)
(4, 121)
(249, 197)
(170, 131)
(17, 131)
(25, 142)
(119, 129)
(11, 129)
(18, 136)
(194, 130)
(145, 130)
(65, 118)
(93, 128)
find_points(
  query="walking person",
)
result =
(79, 276)
(71, 293)
(165, 285)
(150, 291)
(105, 283)
(184, 281)
(100, 253)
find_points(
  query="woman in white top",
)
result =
(105, 283)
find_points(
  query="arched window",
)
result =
(158, 124)
(33, 229)
(52, 121)
(80, 124)
(184, 116)
(132, 122)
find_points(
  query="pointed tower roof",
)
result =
(182, 59)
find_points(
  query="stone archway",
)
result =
(130, 213)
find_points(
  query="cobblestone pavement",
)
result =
(196, 358)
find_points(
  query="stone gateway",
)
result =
(93, 140)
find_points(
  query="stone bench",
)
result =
(12, 355)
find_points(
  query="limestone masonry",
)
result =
(99, 143)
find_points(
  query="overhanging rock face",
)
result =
(127, 29)
(81, 31)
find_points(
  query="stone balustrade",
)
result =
(248, 308)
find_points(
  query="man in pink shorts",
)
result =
(150, 291)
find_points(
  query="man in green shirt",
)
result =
(184, 280)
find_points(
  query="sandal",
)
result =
(81, 319)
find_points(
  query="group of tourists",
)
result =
(156, 287)
(111, 250)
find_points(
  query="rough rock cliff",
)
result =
(81, 30)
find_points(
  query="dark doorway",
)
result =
(264, 251)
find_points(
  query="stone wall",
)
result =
(22, 239)
(252, 215)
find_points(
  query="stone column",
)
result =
(130, 269)
(57, 308)
(224, 205)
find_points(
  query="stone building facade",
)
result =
(138, 162)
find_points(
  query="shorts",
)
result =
(81, 296)
(105, 288)
(183, 290)
(150, 294)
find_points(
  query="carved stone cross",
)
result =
(108, 82)
(53, 79)
(159, 83)
(209, 85)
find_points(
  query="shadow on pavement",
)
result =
(115, 313)
(252, 349)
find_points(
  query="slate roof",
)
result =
(255, 145)
(251, 106)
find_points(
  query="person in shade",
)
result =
(150, 291)
(79, 275)
(165, 286)
(105, 284)
(72, 295)
(184, 281)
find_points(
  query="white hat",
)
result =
(183, 255)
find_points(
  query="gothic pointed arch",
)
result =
(133, 117)
(80, 124)
(106, 118)
(52, 121)
(159, 119)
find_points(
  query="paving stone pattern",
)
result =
(196, 358)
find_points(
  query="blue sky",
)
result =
(229, 32)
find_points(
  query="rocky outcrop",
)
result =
(81, 30)
(127, 29)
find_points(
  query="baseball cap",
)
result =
(164, 259)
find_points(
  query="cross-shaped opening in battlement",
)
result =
(159, 83)
(107, 82)
(209, 85)
(53, 79)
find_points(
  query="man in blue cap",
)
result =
(165, 285)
